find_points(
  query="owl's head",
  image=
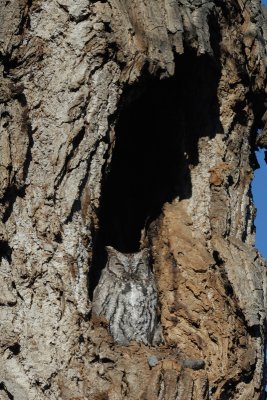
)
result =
(129, 265)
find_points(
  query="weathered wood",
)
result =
(72, 75)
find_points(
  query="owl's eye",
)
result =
(117, 268)
(141, 264)
(115, 261)
(119, 264)
(143, 270)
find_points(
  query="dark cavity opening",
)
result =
(5, 250)
(157, 136)
(15, 349)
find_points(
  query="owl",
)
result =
(126, 296)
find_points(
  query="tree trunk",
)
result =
(127, 122)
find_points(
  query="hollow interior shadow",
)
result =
(157, 136)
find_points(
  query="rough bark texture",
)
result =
(118, 116)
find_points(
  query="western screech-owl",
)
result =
(126, 296)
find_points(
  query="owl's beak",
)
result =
(134, 274)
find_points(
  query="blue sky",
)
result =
(259, 190)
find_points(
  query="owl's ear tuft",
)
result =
(111, 251)
(146, 254)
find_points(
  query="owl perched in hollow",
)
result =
(126, 296)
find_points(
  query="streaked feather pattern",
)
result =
(126, 296)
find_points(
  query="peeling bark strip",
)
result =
(119, 117)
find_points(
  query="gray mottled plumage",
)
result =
(126, 296)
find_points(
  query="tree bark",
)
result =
(127, 121)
